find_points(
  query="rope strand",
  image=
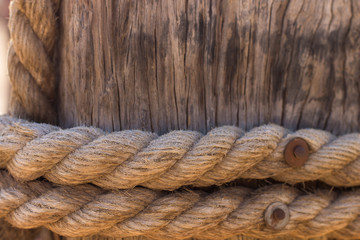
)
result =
(32, 26)
(83, 210)
(125, 159)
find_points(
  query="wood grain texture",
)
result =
(165, 65)
(8, 232)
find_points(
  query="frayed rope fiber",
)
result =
(125, 159)
(86, 209)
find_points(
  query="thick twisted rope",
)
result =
(122, 160)
(33, 29)
(85, 209)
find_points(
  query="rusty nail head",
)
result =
(296, 152)
(277, 215)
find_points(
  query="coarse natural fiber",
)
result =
(122, 160)
(85, 209)
(33, 29)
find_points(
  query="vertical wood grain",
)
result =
(164, 65)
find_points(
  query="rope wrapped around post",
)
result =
(125, 159)
(33, 31)
(86, 209)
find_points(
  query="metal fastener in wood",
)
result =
(296, 152)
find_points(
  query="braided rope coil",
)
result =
(86, 209)
(125, 159)
(33, 28)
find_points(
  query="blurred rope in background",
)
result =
(4, 38)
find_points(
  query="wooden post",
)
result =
(164, 65)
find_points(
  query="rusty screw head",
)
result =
(296, 152)
(277, 215)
